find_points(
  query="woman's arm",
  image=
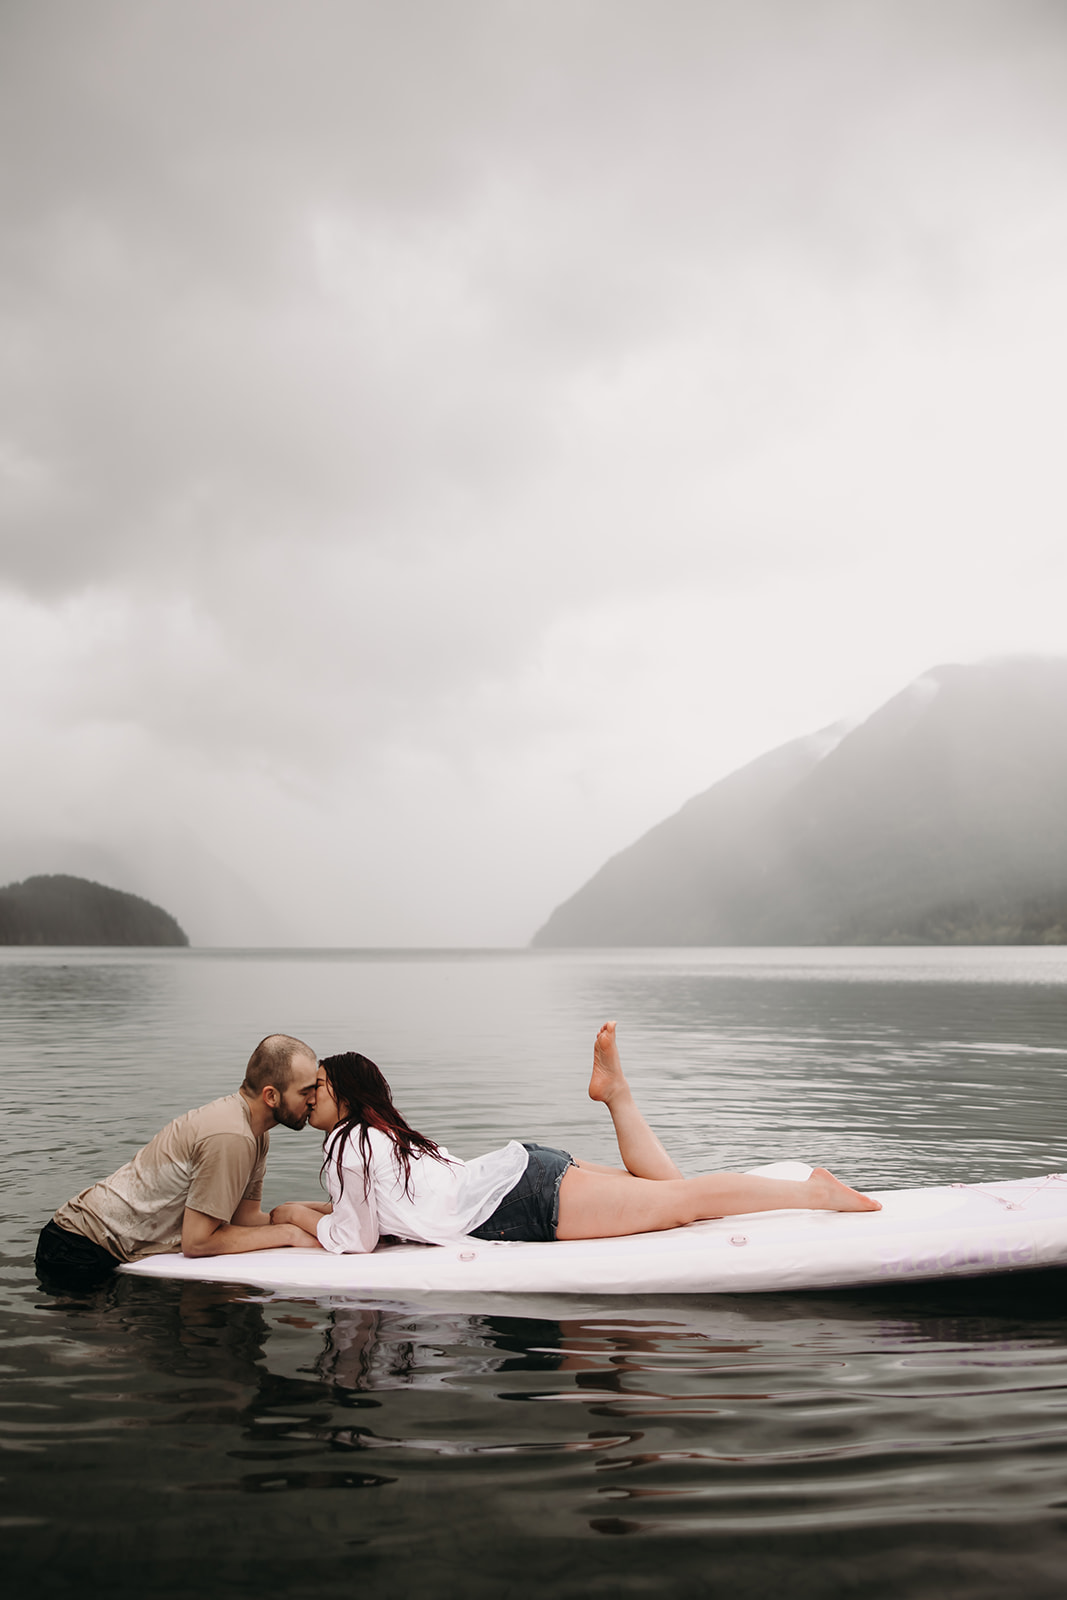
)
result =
(305, 1213)
(350, 1224)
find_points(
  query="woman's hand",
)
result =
(303, 1215)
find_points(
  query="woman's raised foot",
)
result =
(607, 1078)
(830, 1194)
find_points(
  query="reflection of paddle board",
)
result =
(961, 1231)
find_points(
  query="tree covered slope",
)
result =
(73, 911)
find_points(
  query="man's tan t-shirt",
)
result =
(208, 1159)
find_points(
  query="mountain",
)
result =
(941, 819)
(64, 910)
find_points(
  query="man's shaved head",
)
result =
(272, 1061)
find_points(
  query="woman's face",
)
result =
(325, 1112)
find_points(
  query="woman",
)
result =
(385, 1178)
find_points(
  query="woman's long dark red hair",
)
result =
(357, 1083)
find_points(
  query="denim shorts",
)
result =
(530, 1211)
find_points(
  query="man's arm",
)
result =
(207, 1236)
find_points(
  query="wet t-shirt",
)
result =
(209, 1160)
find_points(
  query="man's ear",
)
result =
(272, 1096)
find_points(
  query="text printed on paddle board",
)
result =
(974, 1255)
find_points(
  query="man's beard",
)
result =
(290, 1119)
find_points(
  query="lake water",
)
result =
(191, 1440)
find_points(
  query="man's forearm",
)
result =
(229, 1239)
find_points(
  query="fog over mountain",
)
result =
(941, 818)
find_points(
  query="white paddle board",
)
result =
(957, 1231)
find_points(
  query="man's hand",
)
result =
(207, 1236)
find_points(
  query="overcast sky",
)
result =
(439, 438)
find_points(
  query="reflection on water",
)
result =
(185, 1439)
(465, 1448)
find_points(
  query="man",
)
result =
(196, 1186)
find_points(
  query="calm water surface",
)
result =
(195, 1440)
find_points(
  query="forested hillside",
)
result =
(58, 909)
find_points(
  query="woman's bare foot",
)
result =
(830, 1194)
(607, 1078)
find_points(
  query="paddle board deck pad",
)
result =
(957, 1231)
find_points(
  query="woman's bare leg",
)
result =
(593, 1205)
(642, 1154)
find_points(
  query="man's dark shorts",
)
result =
(70, 1261)
(530, 1211)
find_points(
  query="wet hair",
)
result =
(271, 1063)
(357, 1084)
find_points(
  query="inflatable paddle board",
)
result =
(958, 1231)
